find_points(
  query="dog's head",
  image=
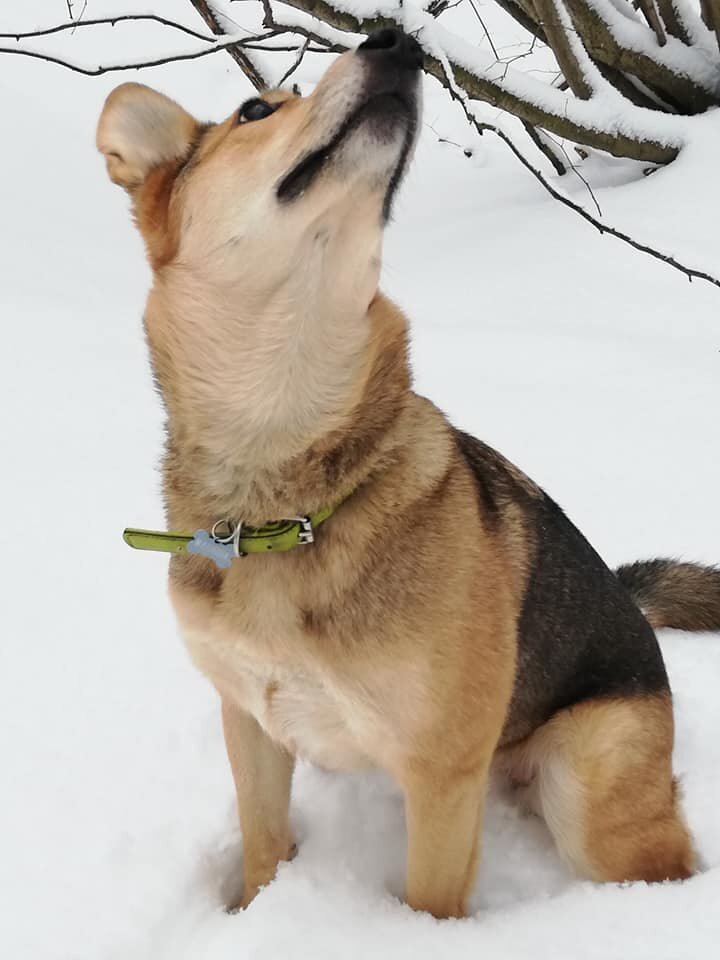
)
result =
(281, 186)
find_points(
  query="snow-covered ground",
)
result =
(596, 369)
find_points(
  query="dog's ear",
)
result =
(139, 130)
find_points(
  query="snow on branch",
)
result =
(566, 52)
(652, 16)
(686, 74)
(596, 122)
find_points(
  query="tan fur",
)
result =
(600, 774)
(139, 130)
(285, 378)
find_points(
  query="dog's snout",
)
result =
(394, 45)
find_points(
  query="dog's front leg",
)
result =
(262, 771)
(443, 811)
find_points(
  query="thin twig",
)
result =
(467, 151)
(108, 21)
(298, 60)
(250, 69)
(690, 272)
(485, 29)
(574, 168)
(545, 149)
(80, 16)
(270, 23)
(250, 43)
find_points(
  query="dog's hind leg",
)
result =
(603, 782)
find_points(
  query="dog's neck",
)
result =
(271, 410)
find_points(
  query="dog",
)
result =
(448, 616)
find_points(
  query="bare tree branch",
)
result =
(485, 29)
(298, 60)
(596, 29)
(673, 22)
(538, 138)
(247, 66)
(711, 15)
(107, 21)
(653, 20)
(690, 272)
(270, 23)
(632, 92)
(574, 168)
(467, 151)
(525, 15)
(557, 36)
(250, 43)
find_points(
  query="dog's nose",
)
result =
(389, 42)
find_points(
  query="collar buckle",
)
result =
(306, 534)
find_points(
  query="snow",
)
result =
(593, 367)
(689, 16)
(696, 63)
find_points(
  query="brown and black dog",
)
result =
(448, 614)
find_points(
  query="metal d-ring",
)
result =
(232, 534)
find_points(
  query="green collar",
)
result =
(229, 539)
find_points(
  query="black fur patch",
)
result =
(580, 635)
(499, 482)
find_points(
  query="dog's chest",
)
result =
(297, 707)
(300, 712)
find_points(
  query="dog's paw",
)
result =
(247, 897)
(250, 889)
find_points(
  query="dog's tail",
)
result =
(670, 593)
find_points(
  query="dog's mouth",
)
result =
(386, 112)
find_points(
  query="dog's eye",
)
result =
(256, 109)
